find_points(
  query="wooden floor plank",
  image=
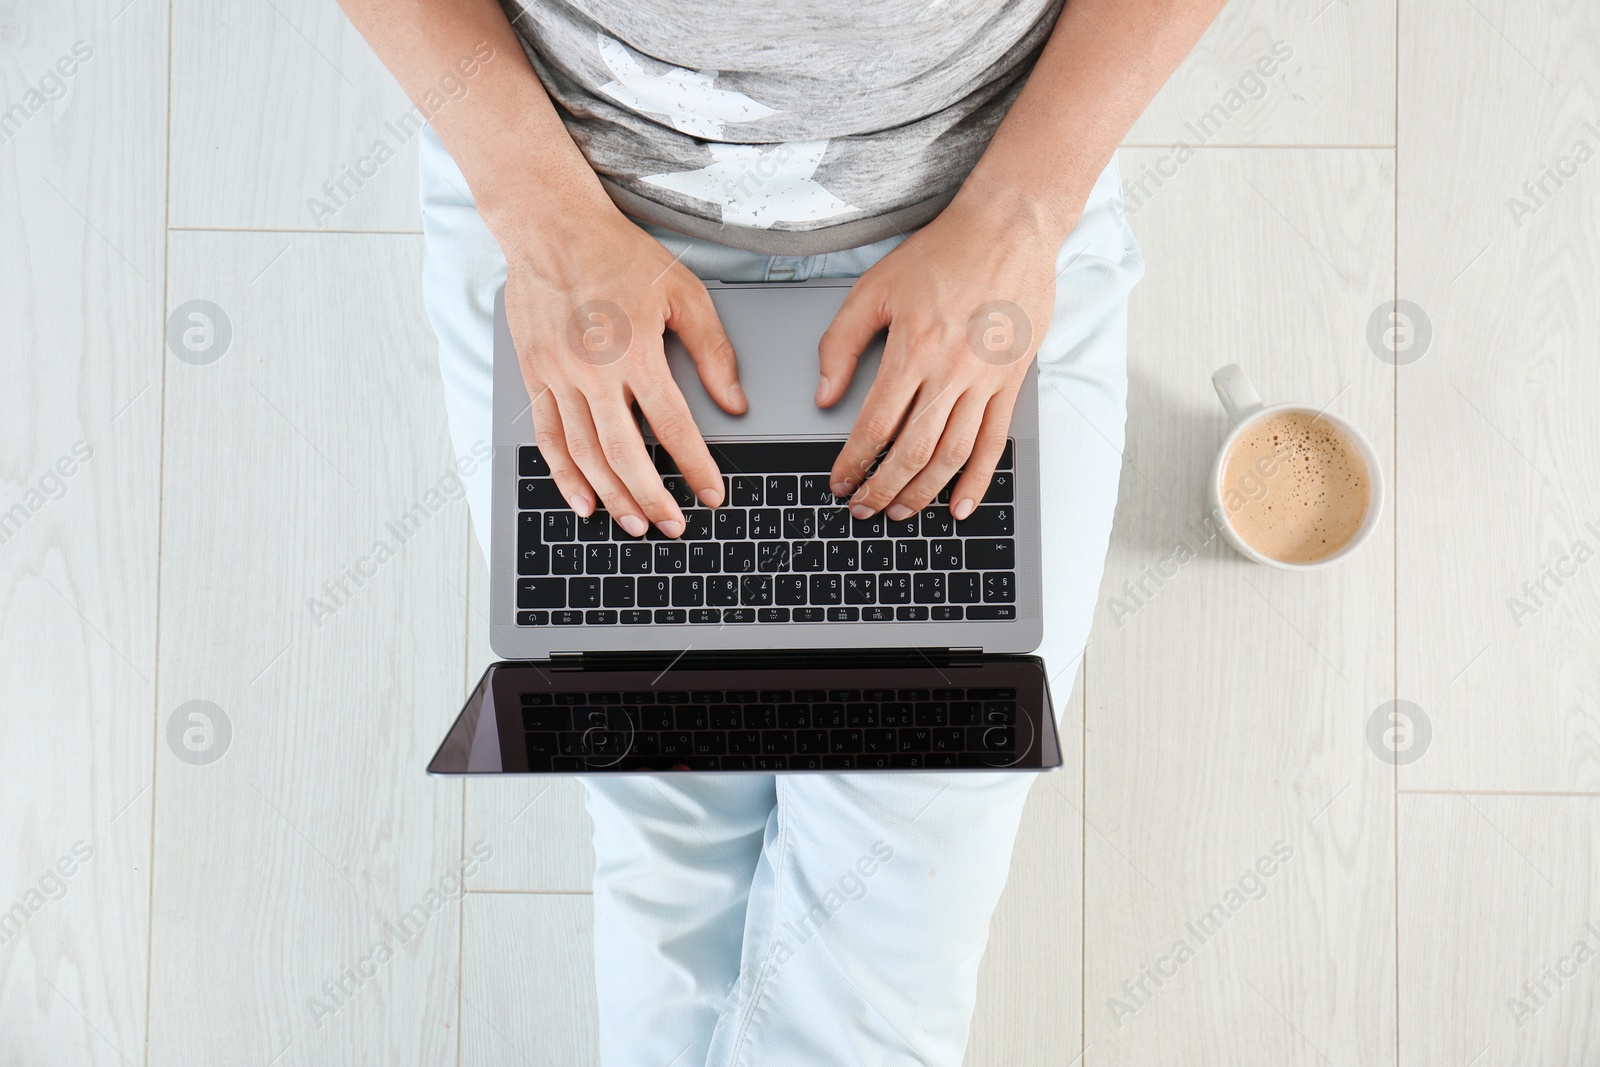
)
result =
(313, 524)
(82, 189)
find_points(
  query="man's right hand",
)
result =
(587, 300)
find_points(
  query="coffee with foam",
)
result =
(1296, 488)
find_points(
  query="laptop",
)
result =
(779, 633)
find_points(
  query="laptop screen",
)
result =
(829, 711)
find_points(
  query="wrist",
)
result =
(1012, 206)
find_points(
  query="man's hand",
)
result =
(966, 300)
(587, 299)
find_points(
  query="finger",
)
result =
(955, 446)
(551, 437)
(583, 443)
(624, 450)
(875, 426)
(913, 450)
(987, 448)
(674, 427)
(860, 318)
(693, 317)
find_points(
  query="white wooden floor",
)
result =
(169, 912)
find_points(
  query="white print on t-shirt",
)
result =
(759, 185)
(686, 100)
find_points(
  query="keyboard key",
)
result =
(566, 618)
(844, 741)
(777, 742)
(739, 615)
(745, 492)
(583, 592)
(737, 763)
(878, 740)
(948, 739)
(760, 716)
(990, 520)
(539, 494)
(911, 555)
(825, 589)
(722, 590)
(946, 613)
(894, 588)
(945, 555)
(833, 522)
(772, 557)
(755, 590)
(774, 696)
(843, 614)
(877, 555)
(669, 696)
(600, 559)
(771, 763)
(877, 614)
(705, 558)
(533, 618)
(692, 717)
(906, 527)
(995, 693)
(671, 558)
(729, 523)
(559, 526)
(739, 557)
(566, 559)
(681, 493)
(546, 718)
(991, 612)
(860, 589)
(991, 738)
(911, 613)
(710, 743)
(782, 491)
(530, 464)
(766, 524)
(842, 555)
(863, 528)
(966, 713)
(705, 615)
(963, 588)
(532, 556)
(811, 742)
(618, 593)
(860, 714)
(671, 616)
(895, 713)
(938, 522)
(799, 524)
(814, 489)
(541, 593)
(998, 588)
(596, 527)
(838, 763)
(991, 554)
(907, 760)
(688, 590)
(806, 556)
(600, 617)
(634, 557)
(1000, 488)
(636, 617)
(696, 524)
(790, 589)
(928, 588)
(652, 591)
(744, 742)
(726, 717)
(1007, 456)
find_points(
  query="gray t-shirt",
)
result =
(786, 127)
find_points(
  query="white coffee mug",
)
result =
(1244, 407)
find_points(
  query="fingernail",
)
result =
(843, 487)
(899, 512)
(963, 507)
(633, 524)
(710, 497)
(824, 387)
(861, 511)
(672, 527)
(582, 505)
(737, 397)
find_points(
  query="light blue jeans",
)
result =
(815, 919)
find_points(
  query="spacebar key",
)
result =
(775, 457)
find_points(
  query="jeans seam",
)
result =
(748, 1010)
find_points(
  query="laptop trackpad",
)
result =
(775, 329)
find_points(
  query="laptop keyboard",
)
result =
(771, 730)
(782, 548)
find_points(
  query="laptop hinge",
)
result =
(566, 661)
(965, 656)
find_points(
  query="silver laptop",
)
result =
(778, 633)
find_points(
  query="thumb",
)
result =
(694, 319)
(859, 319)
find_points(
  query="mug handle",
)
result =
(1239, 398)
